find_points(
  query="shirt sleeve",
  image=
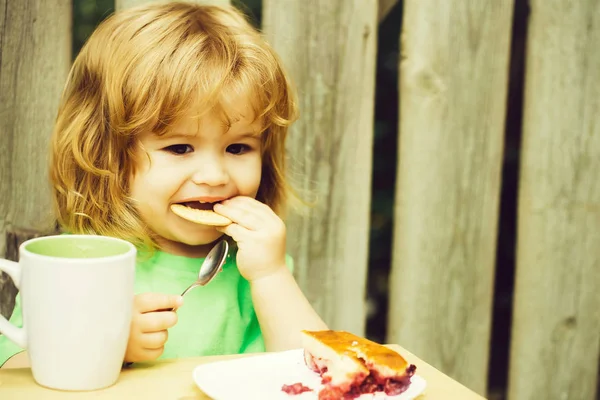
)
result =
(7, 347)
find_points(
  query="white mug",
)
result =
(76, 297)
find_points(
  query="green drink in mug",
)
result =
(76, 296)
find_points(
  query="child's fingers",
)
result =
(156, 321)
(154, 340)
(249, 204)
(255, 205)
(235, 231)
(149, 354)
(149, 302)
(243, 216)
(139, 354)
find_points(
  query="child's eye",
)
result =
(238, 148)
(179, 148)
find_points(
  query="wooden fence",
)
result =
(454, 74)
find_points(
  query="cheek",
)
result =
(135, 185)
(247, 176)
(155, 173)
(141, 164)
(148, 188)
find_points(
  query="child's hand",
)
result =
(148, 333)
(259, 233)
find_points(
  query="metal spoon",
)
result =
(211, 266)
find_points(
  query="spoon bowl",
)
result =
(211, 266)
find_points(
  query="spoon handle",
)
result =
(193, 285)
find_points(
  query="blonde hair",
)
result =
(140, 70)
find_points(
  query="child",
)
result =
(183, 104)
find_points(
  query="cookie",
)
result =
(203, 217)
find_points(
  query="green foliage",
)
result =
(87, 14)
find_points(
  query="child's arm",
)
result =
(280, 305)
(282, 310)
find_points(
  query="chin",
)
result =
(200, 240)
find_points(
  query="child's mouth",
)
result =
(198, 205)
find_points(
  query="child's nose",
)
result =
(211, 172)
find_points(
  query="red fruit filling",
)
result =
(359, 385)
(296, 388)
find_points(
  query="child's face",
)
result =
(198, 159)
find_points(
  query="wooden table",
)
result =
(172, 380)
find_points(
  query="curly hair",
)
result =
(141, 70)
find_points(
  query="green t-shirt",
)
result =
(215, 319)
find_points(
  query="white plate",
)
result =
(262, 376)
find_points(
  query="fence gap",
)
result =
(505, 252)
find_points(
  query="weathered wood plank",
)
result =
(329, 48)
(35, 55)
(8, 291)
(556, 325)
(120, 4)
(453, 90)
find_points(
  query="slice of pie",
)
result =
(350, 365)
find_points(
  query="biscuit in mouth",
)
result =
(200, 216)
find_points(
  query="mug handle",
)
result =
(15, 334)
